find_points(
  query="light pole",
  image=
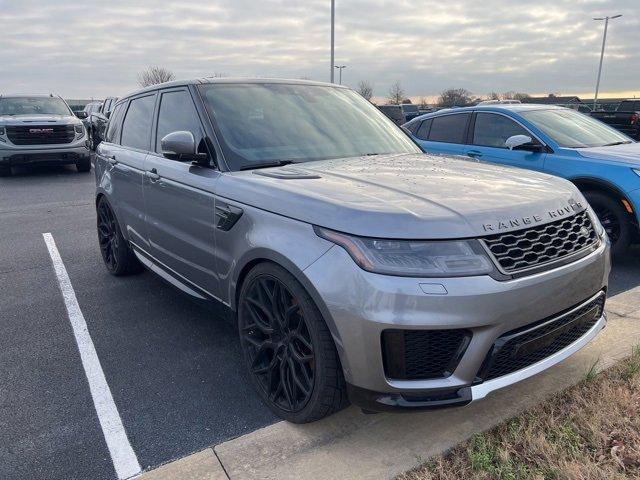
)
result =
(333, 35)
(604, 41)
(340, 67)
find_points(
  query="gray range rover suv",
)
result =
(40, 129)
(358, 267)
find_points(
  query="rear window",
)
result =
(115, 120)
(449, 128)
(136, 129)
(423, 131)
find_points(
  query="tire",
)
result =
(614, 219)
(116, 252)
(5, 171)
(287, 347)
(84, 165)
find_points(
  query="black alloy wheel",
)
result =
(288, 349)
(609, 221)
(614, 219)
(108, 236)
(116, 252)
(279, 344)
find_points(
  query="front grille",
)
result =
(422, 354)
(40, 134)
(541, 244)
(525, 346)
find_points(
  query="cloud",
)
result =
(94, 49)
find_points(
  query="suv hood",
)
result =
(629, 153)
(38, 119)
(415, 196)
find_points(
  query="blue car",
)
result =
(602, 162)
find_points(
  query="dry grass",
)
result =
(591, 431)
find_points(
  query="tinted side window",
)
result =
(113, 130)
(493, 130)
(423, 131)
(136, 129)
(449, 128)
(177, 113)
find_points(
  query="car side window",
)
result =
(177, 113)
(423, 131)
(449, 128)
(492, 130)
(113, 130)
(136, 128)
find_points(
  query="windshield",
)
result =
(33, 106)
(571, 129)
(265, 123)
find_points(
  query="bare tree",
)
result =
(454, 97)
(493, 96)
(515, 96)
(396, 94)
(423, 103)
(365, 89)
(154, 75)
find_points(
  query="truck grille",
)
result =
(525, 346)
(541, 244)
(423, 354)
(40, 134)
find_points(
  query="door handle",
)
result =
(112, 159)
(474, 154)
(152, 175)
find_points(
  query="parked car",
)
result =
(88, 109)
(602, 162)
(40, 129)
(626, 118)
(97, 122)
(355, 264)
(400, 114)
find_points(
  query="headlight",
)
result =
(2, 131)
(595, 222)
(413, 258)
(79, 129)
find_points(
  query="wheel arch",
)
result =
(269, 256)
(590, 184)
(261, 255)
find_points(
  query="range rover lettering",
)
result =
(358, 268)
(40, 129)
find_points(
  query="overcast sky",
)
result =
(84, 49)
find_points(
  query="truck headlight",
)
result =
(413, 258)
(79, 129)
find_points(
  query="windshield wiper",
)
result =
(616, 143)
(267, 165)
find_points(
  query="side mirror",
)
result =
(516, 141)
(82, 114)
(180, 145)
(107, 114)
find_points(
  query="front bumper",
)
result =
(359, 306)
(53, 155)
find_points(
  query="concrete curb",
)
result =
(353, 445)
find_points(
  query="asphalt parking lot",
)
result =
(173, 366)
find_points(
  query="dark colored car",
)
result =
(400, 114)
(97, 122)
(626, 118)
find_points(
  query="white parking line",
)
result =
(123, 457)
